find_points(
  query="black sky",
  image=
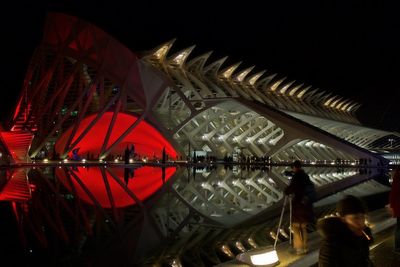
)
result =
(349, 48)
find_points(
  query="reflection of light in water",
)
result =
(146, 181)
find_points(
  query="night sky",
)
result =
(349, 48)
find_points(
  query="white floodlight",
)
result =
(265, 257)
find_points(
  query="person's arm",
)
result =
(293, 187)
(368, 235)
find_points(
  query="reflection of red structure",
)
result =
(146, 181)
(17, 188)
(147, 140)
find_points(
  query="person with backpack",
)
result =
(302, 193)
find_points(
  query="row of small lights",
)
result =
(332, 162)
(259, 258)
(84, 161)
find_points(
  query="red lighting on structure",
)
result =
(145, 182)
(17, 144)
(146, 139)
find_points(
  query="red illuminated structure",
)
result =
(81, 80)
(14, 147)
(86, 90)
(146, 140)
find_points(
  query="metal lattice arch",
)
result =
(78, 70)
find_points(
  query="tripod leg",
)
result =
(280, 221)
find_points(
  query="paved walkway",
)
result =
(382, 227)
(381, 251)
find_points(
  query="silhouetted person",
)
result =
(164, 155)
(345, 239)
(126, 155)
(394, 205)
(75, 155)
(132, 151)
(302, 207)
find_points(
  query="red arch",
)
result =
(146, 139)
